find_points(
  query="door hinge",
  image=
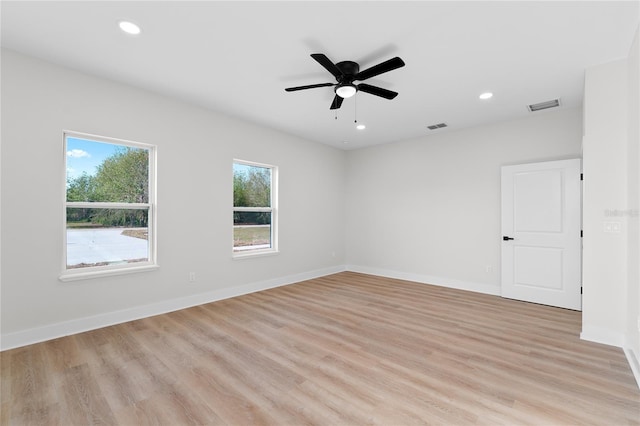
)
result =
(581, 176)
(580, 289)
(581, 233)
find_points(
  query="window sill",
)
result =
(87, 275)
(238, 255)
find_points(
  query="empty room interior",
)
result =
(325, 212)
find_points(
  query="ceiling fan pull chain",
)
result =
(355, 108)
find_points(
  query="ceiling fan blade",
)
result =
(381, 68)
(327, 64)
(337, 102)
(378, 91)
(310, 86)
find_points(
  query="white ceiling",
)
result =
(237, 57)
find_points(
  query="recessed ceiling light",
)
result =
(129, 27)
(361, 127)
(486, 95)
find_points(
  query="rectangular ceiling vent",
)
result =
(544, 105)
(437, 126)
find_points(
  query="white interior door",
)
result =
(541, 242)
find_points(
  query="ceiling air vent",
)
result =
(437, 126)
(544, 105)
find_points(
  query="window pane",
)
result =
(251, 230)
(99, 237)
(251, 186)
(104, 172)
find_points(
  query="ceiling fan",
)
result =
(346, 72)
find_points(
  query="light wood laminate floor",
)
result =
(347, 349)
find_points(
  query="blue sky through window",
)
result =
(245, 168)
(84, 156)
(241, 168)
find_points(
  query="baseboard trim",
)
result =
(80, 325)
(634, 363)
(602, 335)
(427, 279)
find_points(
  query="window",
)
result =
(109, 206)
(254, 208)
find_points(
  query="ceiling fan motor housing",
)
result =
(349, 70)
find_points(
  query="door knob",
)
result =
(505, 238)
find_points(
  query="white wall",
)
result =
(605, 190)
(611, 267)
(633, 203)
(429, 209)
(195, 152)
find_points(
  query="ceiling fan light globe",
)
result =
(346, 91)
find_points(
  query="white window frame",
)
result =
(116, 269)
(243, 254)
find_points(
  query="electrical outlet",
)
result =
(488, 269)
(612, 227)
(192, 277)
